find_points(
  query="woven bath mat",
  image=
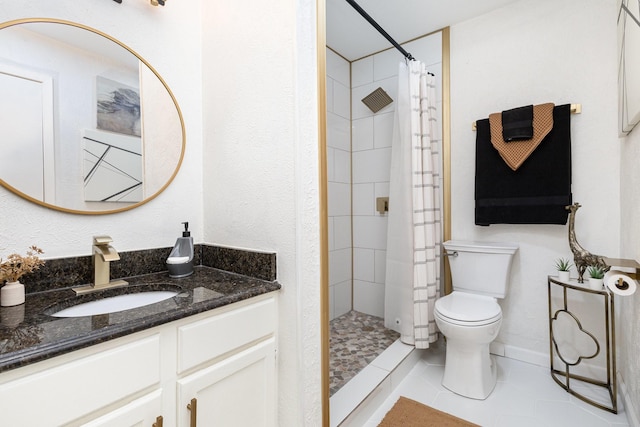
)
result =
(514, 153)
(409, 413)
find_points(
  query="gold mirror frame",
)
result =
(322, 162)
(132, 205)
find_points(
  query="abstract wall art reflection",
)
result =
(112, 167)
(118, 107)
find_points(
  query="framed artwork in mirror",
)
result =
(628, 65)
(117, 106)
(112, 167)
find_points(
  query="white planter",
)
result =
(563, 276)
(12, 293)
(595, 284)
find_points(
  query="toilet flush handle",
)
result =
(453, 254)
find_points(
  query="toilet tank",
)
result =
(480, 267)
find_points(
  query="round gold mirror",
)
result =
(88, 126)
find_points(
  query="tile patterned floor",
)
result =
(355, 340)
(525, 396)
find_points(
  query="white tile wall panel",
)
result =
(363, 199)
(363, 264)
(339, 199)
(342, 232)
(362, 134)
(340, 261)
(370, 232)
(371, 165)
(368, 298)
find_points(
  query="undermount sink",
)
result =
(115, 303)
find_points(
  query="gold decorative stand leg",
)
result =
(562, 374)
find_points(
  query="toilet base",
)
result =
(469, 369)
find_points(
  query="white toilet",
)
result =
(470, 316)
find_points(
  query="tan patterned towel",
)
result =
(514, 153)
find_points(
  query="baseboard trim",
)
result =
(524, 355)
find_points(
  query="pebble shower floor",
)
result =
(355, 340)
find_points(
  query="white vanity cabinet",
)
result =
(225, 359)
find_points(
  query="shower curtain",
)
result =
(414, 224)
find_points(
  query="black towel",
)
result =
(517, 124)
(535, 193)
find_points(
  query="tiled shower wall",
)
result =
(359, 171)
(339, 189)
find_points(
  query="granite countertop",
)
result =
(28, 332)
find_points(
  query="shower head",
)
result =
(377, 100)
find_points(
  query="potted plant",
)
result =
(596, 277)
(12, 269)
(563, 266)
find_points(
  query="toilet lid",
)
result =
(463, 307)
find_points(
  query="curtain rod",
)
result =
(386, 35)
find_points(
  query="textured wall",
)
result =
(261, 168)
(629, 308)
(532, 52)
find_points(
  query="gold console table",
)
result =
(563, 374)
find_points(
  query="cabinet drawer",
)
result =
(69, 391)
(209, 338)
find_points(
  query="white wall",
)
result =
(532, 52)
(628, 338)
(261, 168)
(169, 39)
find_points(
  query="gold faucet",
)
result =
(103, 254)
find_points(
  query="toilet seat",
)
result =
(465, 309)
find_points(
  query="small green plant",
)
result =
(596, 272)
(563, 264)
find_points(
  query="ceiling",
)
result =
(353, 37)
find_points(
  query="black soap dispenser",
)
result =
(180, 261)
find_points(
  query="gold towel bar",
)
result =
(575, 109)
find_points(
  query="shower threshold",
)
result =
(356, 401)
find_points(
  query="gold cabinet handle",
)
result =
(158, 422)
(193, 407)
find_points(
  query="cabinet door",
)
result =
(142, 412)
(238, 391)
